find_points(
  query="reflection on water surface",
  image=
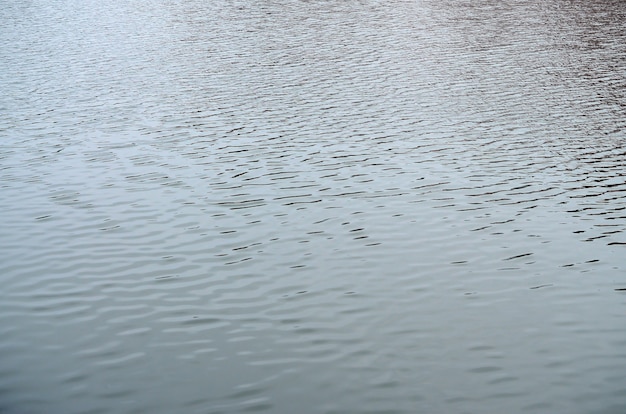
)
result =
(319, 206)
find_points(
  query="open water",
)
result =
(324, 206)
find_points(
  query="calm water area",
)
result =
(313, 206)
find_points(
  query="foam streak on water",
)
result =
(312, 206)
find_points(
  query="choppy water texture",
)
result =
(313, 206)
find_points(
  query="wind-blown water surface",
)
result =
(313, 206)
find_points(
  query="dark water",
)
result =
(313, 206)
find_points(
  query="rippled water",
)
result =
(313, 206)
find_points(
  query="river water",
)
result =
(291, 206)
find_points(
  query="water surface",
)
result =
(313, 206)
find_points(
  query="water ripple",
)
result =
(355, 206)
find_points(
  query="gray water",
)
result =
(291, 206)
